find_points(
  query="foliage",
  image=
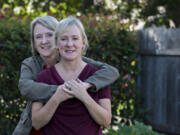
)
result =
(110, 40)
(39, 7)
(152, 12)
(137, 128)
(160, 12)
(124, 9)
(14, 45)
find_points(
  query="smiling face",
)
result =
(42, 39)
(70, 43)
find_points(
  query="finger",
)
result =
(67, 85)
(65, 88)
(79, 81)
(72, 84)
(68, 91)
(70, 81)
(60, 86)
(76, 84)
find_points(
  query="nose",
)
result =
(44, 40)
(69, 43)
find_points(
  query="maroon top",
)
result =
(71, 116)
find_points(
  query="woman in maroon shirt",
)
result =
(71, 110)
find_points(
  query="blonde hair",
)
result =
(46, 21)
(66, 23)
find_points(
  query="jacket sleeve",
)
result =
(31, 89)
(103, 77)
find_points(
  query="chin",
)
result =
(69, 59)
(46, 54)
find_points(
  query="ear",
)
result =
(84, 44)
(82, 48)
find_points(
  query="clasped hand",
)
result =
(76, 88)
(73, 88)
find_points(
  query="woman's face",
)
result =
(70, 43)
(42, 39)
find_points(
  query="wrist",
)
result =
(86, 99)
(57, 98)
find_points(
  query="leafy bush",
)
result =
(14, 46)
(137, 128)
(110, 40)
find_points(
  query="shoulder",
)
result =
(104, 92)
(88, 71)
(30, 60)
(35, 63)
(91, 68)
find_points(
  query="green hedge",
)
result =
(14, 44)
(137, 128)
(110, 41)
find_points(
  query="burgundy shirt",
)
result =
(71, 116)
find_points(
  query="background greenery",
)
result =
(117, 47)
(113, 39)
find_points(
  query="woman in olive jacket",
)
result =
(43, 57)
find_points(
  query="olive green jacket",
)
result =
(34, 91)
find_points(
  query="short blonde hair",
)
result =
(66, 23)
(46, 21)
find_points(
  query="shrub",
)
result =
(14, 46)
(111, 41)
(137, 128)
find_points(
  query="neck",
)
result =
(70, 70)
(50, 60)
(72, 65)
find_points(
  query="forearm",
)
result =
(101, 111)
(103, 77)
(34, 91)
(30, 89)
(41, 115)
(101, 115)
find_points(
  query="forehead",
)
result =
(38, 28)
(70, 30)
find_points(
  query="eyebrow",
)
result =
(45, 33)
(68, 35)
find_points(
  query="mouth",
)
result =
(69, 51)
(45, 47)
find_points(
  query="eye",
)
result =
(63, 39)
(75, 38)
(49, 34)
(38, 36)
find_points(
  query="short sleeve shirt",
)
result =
(71, 116)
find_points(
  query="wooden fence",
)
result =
(160, 77)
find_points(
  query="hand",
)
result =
(76, 88)
(61, 95)
(87, 85)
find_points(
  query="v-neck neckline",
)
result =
(79, 76)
